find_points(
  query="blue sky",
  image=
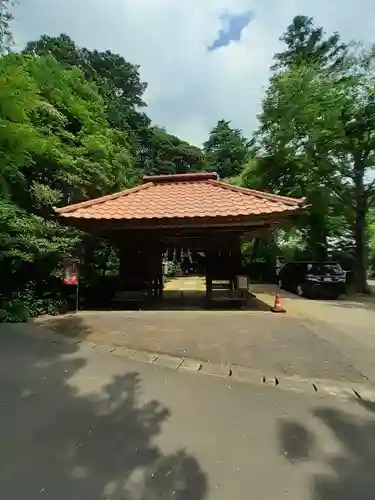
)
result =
(189, 86)
(233, 26)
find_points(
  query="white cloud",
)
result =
(189, 87)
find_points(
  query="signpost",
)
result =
(243, 286)
(278, 266)
(242, 283)
(71, 279)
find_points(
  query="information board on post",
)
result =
(71, 278)
(242, 283)
(71, 274)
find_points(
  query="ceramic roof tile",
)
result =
(181, 196)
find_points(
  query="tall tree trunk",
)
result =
(360, 229)
(254, 250)
(318, 237)
(360, 247)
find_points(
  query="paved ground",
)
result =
(354, 310)
(348, 323)
(274, 344)
(332, 340)
(189, 293)
(78, 424)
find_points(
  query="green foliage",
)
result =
(56, 147)
(318, 128)
(167, 154)
(227, 150)
(117, 80)
(171, 268)
(71, 128)
(307, 45)
(153, 150)
(316, 139)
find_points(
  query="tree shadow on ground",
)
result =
(358, 301)
(72, 326)
(296, 442)
(350, 473)
(62, 444)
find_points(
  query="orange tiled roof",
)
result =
(181, 196)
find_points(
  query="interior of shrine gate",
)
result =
(187, 218)
(143, 261)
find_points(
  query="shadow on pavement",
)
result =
(296, 442)
(356, 302)
(350, 474)
(69, 325)
(60, 444)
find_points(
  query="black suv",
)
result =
(313, 279)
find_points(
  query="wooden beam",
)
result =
(214, 223)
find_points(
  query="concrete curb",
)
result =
(232, 373)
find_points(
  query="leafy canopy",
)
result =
(226, 149)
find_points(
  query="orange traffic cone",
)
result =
(277, 307)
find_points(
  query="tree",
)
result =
(119, 83)
(371, 231)
(318, 127)
(167, 154)
(356, 145)
(118, 80)
(59, 144)
(56, 146)
(226, 150)
(278, 167)
(306, 44)
(288, 155)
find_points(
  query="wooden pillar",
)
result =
(161, 280)
(210, 265)
(236, 259)
(122, 267)
(208, 285)
(154, 263)
(232, 283)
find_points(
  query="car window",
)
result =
(302, 269)
(292, 267)
(324, 268)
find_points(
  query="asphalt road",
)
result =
(78, 424)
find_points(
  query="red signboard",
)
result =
(71, 275)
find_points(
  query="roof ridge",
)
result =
(102, 199)
(185, 177)
(259, 194)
